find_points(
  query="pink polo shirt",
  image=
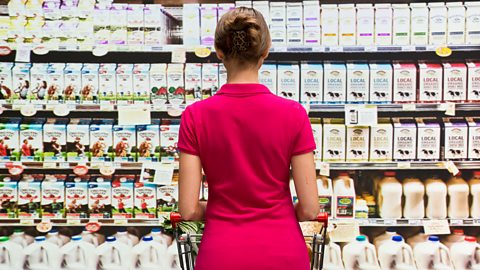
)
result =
(245, 137)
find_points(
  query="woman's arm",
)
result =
(304, 177)
(189, 183)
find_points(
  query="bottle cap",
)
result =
(4, 238)
(344, 174)
(470, 239)
(111, 239)
(53, 231)
(458, 232)
(389, 173)
(40, 238)
(147, 238)
(18, 231)
(156, 230)
(76, 238)
(433, 238)
(397, 238)
(361, 238)
(476, 173)
(391, 230)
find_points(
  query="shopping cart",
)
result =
(187, 244)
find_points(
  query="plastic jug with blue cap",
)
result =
(42, 255)
(173, 258)
(160, 237)
(395, 254)
(149, 255)
(114, 255)
(432, 255)
(384, 237)
(54, 237)
(418, 238)
(79, 255)
(465, 254)
(360, 254)
(124, 236)
(95, 239)
(11, 255)
(21, 238)
(332, 260)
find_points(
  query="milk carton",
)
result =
(333, 140)
(264, 8)
(472, 23)
(318, 136)
(6, 84)
(124, 79)
(145, 201)
(31, 139)
(55, 139)
(9, 139)
(430, 82)
(278, 14)
(208, 18)
(191, 17)
(357, 82)
(278, 35)
(101, 140)
(100, 197)
(89, 92)
(176, 84)
(357, 143)
(167, 197)
(419, 23)
(381, 140)
(383, 24)
(53, 196)
(329, 22)
(267, 75)
(455, 82)
(122, 196)
(124, 141)
(311, 83)
(148, 141)
(334, 82)
(209, 79)
(473, 81)
(347, 24)
(247, 4)
(222, 75)
(55, 82)
(429, 139)
(193, 82)
(8, 196)
(311, 35)
(311, 13)
(224, 8)
(438, 23)
(38, 91)
(101, 16)
(381, 81)
(73, 82)
(288, 81)
(158, 84)
(401, 24)
(404, 139)
(473, 138)
(404, 82)
(456, 23)
(294, 35)
(294, 13)
(152, 15)
(107, 83)
(365, 24)
(78, 140)
(21, 82)
(29, 196)
(169, 129)
(456, 138)
(135, 27)
(141, 83)
(76, 196)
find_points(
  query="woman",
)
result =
(245, 139)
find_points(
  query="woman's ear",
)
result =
(220, 54)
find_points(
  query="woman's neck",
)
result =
(242, 75)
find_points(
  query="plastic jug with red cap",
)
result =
(474, 184)
(395, 254)
(389, 196)
(432, 255)
(11, 254)
(114, 255)
(344, 197)
(458, 235)
(360, 254)
(458, 191)
(466, 254)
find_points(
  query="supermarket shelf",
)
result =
(378, 222)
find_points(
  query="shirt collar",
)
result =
(243, 89)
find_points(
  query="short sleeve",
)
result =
(304, 141)
(187, 139)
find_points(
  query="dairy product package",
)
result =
(100, 196)
(124, 141)
(101, 140)
(38, 75)
(107, 83)
(55, 139)
(10, 139)
(267, 75)
(381, 81)
(318, 136)
(294, 14)
(456, 138)
(78, 140)
(90, 86)
(53, 196)
(191, 17)
(155, 25)
(438, 23)
(357, 143)
(193, 82)
(124, 78)
(429, 139)
(158, 84)
(29, 196)
(278, 14)
(329, 22)
(209, 80)
(264, 8)
(419, 23)
(334, 82)
(473, 84)
(76, 196)
(311, 13)
(381, 140)
(278, 35)
(148, 141)
(73, 82)
(456, 23)
(169, 129)
(358, 75)
(175, 84)
(145, 200)
(430, 82)
(247, 4)
(472, 22)
(365, 24)
(311, 83)
(208, 22)
(401, 24)
(404, 139)
(122, 196)
(21, 82)
(56, 82)
(294, 35)
(101, 16)
(9, 196)
(6, 84)
(141, 83)
(454, 82)
(135, 27)
(383, 24)
(167, 197)
(334, 140)
(404, 82)
(118, 24)
(288, 81)
(311, 35)
(31, 139)
(347, 24)
(473, 138)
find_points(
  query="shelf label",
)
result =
(361, 115)
(107, 107)
(345, 231)
(324, 168)
(404, 165)
(134, 115)
(28, 221)
(22, 54)
(179, 55)
(120, 221)
(415, 222)
(49, 165)
(451, 167)
(73, 221)
(436, 227)
(409, 107)
(449, 108)
(455, 222)
(443, 51)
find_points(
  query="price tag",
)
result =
(436, 227)
(456, 222)
(403, 165)
(134, 115)
(324, 168)
(73, 221)
(336, 49)
(408, 48)
(409, 107)
(96, 165)
(390, 222)
(179, 55)
(450, 108)
(22, 54)
(202, 52)
(120, 221)
(64, 165)
(345, 231)
(443, 51)
(370, 49)
(361, 115)
(107, 107)
(451, 167)
(415, 222)
(29, 221)
(49, 165)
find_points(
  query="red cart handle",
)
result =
(323, 218)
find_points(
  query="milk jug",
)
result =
(344, 197)
(432, 255)
(173, 261)
(11, 255)
(325, 194)
(332, 260)
(475, 192)
(385, 237)
(436, 191)
(160, 237)
(42, 255)
(114, 255)
(466, 254)
(417, 239)
(414, 191)
(93, 238)
(389, 196)
(456, 237)
(55, 238)
(360, 255)
(21, 238)
(149, 255)
(123, 236)
(458, 191)
(396, 254)
(79, 255)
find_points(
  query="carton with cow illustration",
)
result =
(78, 140)
(101, 140)
(37, 93)
(148, 142)
(9, 139)
(473, 138)
(209, 79)
(193, 82)
(124, 143)
(358, 142)
(31, 139)
(333, 139)
(76, 196)
(89, 91)
(176, 84)
(21, 82)
(381, 140)
(100, 196)
(122, 196)
(6, 84)
(73, 83)
(158, 84)
(124, 78)
(55, 82)
(456, 138)
(167, 198)
(55, 139)
(428, 138)
(169, 129)
(8, 196)
(404, 139)
(145, 200)
(107, 83)
(29, 196)
(141, 83)
(53, 196)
